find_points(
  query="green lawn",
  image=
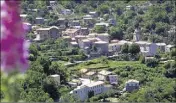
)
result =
(110, 64)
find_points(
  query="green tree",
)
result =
(173, 53)
(35, 95)
(56, 68)
(134, 48)
(50, 88)
(152, 62)
(68, 98)
(116, 33)
(45, 62)
(125, 48)
(100, 29)
(84, 9)
(170, 69)
(33, 50)
(30, 18)
(103, 9)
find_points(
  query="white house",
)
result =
(116, 46)
(82, 92)
(147, 48)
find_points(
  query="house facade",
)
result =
(147, 48)
(84, 43)
(71, 32)
(83, 92)
(51, 32)
(101, 46)
(101, 36)
(131, 85)
(103, 75)
(114, 47)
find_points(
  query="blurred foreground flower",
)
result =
(14, 47)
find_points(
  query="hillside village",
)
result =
(90, 57)
(85, 37)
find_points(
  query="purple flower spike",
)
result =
(14, 47)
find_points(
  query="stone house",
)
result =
(102, 47)
(71, 32)
(50, 32)
(131, 85)
(103, 75)
(101, 36)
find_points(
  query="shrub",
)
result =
(152, 62)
